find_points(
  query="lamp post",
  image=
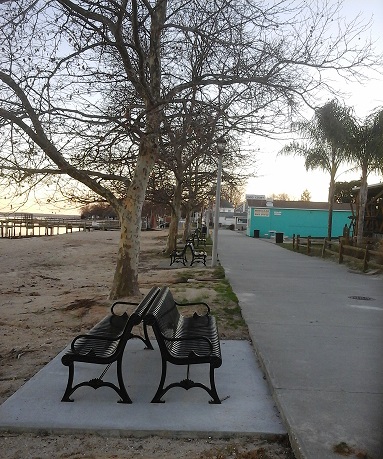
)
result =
(220, 147)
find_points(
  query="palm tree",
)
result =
(366, 151)
(327, 135)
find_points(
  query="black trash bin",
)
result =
(279, 238)
(256, 234)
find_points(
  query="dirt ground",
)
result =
(54, 287)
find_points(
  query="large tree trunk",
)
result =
(187, 227)
(125, 282)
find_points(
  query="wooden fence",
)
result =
(306, 243)
(369, 257)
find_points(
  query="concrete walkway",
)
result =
(247, 408)
(317, 328)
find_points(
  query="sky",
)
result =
(278, 174)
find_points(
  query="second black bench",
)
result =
(179, 256)
(104, 344)
(197, 255)
(184, 341)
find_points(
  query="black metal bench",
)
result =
(197, 255)
(198, 237)
(104, 344)
(184, 341)
(179, 256)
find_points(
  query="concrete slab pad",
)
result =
(247, 406)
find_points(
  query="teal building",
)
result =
(267, 217)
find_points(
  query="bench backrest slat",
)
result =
(164, 312)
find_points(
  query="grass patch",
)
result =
(228, 313)
(219, 272)
(225, 292)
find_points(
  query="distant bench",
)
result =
(197, 255)
(184, 341)
(180, 255)
(105, 344)
(177, 256)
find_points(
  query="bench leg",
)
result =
(198, 259)
(160, 391)
(122, 390)
(177, 259)
(186, 384)
(213, 391)
(68, 391)
(96, 383)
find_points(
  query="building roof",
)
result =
(276, 203)
(226, 204)
(375, 190)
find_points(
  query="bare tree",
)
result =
(305, 196)
(282, 197)
(63, 62)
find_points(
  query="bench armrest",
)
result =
(195, 304)
(121, 302)
(95, 338)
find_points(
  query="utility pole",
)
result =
(221, 143)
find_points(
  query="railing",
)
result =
(18, 225)
(306, 243)
(106, 224)
(369, 257)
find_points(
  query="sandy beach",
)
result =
(55, 287)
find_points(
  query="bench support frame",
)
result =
(96, 383)
(185, 384)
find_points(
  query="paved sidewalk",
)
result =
(317, 328)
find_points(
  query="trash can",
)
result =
(256, 234)
(279, 238)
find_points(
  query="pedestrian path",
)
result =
(317, 328)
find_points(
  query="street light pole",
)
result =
(220, 147)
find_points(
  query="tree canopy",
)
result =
(87, 88)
